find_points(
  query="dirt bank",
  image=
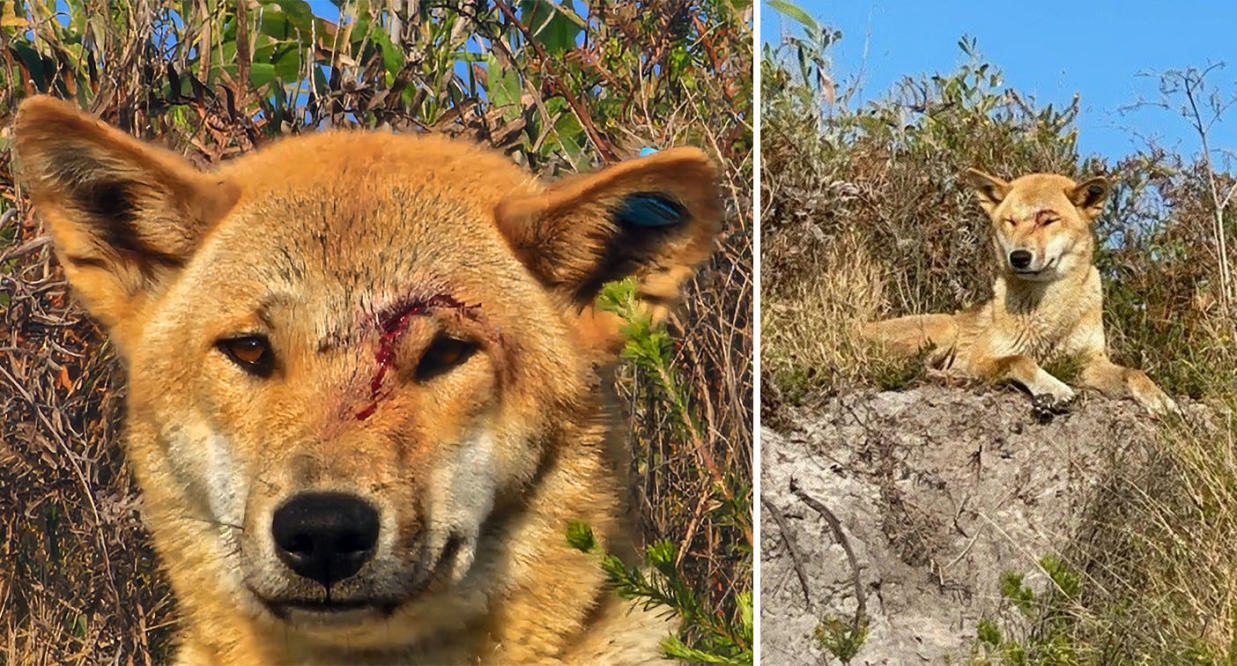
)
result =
(938, 491)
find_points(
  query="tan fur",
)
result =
(1051, 307)
(320, 243)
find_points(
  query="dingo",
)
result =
(1047, 300)
(366, 390)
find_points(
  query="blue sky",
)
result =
(1097, 48)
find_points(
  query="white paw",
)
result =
(1048, 386)
(1158, 403)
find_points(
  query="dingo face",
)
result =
(353, 357)
(1041, 223)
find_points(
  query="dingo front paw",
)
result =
(1045, 406)
(1051, 397)
(1050, 388)
(1157, 402)
(1154, 400)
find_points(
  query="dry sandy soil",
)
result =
(938, 491)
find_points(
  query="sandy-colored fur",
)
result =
(312, 242)
(1051, 308)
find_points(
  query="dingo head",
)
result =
(1041, 222)
(350, 352)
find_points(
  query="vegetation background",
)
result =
(559, 86)
(863, 216)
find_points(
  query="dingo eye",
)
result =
(251, 352)
(1011, 222)
(1047, 222)
(443, 354)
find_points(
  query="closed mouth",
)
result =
(329, 612)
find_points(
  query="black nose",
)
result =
(1019, 258)
(325, 536)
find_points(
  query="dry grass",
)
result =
(77, 580)
(1159, 571)
(880, 189)
(1152, 571)
(863, 217)
(811, 326)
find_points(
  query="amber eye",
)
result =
(443, 354)
(251, 352)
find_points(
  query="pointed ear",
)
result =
(990, 189)
(653, 217)
(124, 215)
(1090, 196)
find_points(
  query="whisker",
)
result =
(218, 523)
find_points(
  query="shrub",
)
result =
(862, 217)
(559, 86)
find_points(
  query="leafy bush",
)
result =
(863, 217)
(1059, 625)
(704, 637)
(559, 86)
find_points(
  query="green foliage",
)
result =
(651, 349)
(864, 217)
(841, 637)
(1066, 367)
(580, 536)
(795, 76)
(1018, 594)
(435, 68)
(891, 373)
(882, 181)
(703, 636)
(1052, 629)
(989, 634)
(558, 85)
(555, 26)
(1050, 641)
(1066, 581)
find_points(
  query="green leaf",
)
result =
(502, 86)
(550, 25)
(261, 73)
(568, 137)
(989, 633)
(34, 63)
(744, 602)
(284, 56)
(392, 57)
(795, 12)
(580, 536)
(361, 27)
(662, 554)
(320, 82)
(287, 19)
(276, 24)
(675, 649)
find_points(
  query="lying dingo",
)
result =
(1047, 300)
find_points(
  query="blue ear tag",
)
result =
(649, 209)
(646, 151)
